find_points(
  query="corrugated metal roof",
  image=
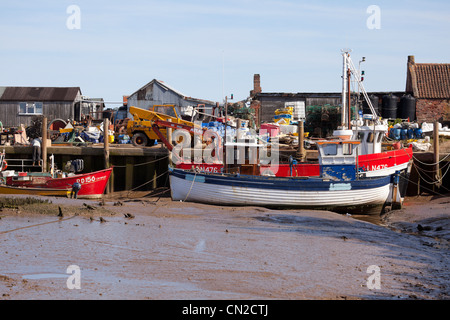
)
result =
(40, 93)
(167, 87)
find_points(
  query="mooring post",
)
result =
(436, 154)
(44, 144)
(106, 148)
(169, 138)
(301, 154)
(106, 141)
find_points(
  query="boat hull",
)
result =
(34, 191)
(92, 184)
(315, 193)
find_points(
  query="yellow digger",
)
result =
(142, 128)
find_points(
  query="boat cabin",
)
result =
(370, 134)
(243, 157)
(338, 159)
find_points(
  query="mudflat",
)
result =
(131, 246)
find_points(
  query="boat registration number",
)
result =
(86, 180)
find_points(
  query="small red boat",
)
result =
(93, 184)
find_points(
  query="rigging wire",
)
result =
(144, 163)
(151, 180)
(431, 171)
(421, 186)
(432, 164)
(433, 182)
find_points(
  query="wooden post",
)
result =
(44, 144)
(129, 173)
(437, 176)
(169, 138)
(301, 145)
(149, 171)
(106, 148)
(106, 141)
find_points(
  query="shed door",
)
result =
(77, 111)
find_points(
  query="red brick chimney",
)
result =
(411, 79)
(256, 85)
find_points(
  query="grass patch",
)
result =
(30, 205)
(15, 203)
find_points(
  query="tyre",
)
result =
(139, 139)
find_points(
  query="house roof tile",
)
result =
(430, 80)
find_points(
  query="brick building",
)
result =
(429, 83)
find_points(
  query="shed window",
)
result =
(22, 107)
(30, 108)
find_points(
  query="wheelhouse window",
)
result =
(347, 149)
(360, 136)
(330, 150)
(30, 108)
(380, 137)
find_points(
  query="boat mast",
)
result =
(345, 53)
(225, 138)
(351, 67)
(349, 101)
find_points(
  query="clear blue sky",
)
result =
(209, 48)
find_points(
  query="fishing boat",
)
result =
(340, 187)
(369, 130)
(371, 159)
(93, 184)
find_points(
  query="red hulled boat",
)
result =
(93, 184)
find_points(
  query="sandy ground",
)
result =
(154, 248)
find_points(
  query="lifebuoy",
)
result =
(4, 165)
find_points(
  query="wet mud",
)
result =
(153, 248)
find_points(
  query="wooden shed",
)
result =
(19, 104)
(157, 92)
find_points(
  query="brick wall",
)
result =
(430, 110)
